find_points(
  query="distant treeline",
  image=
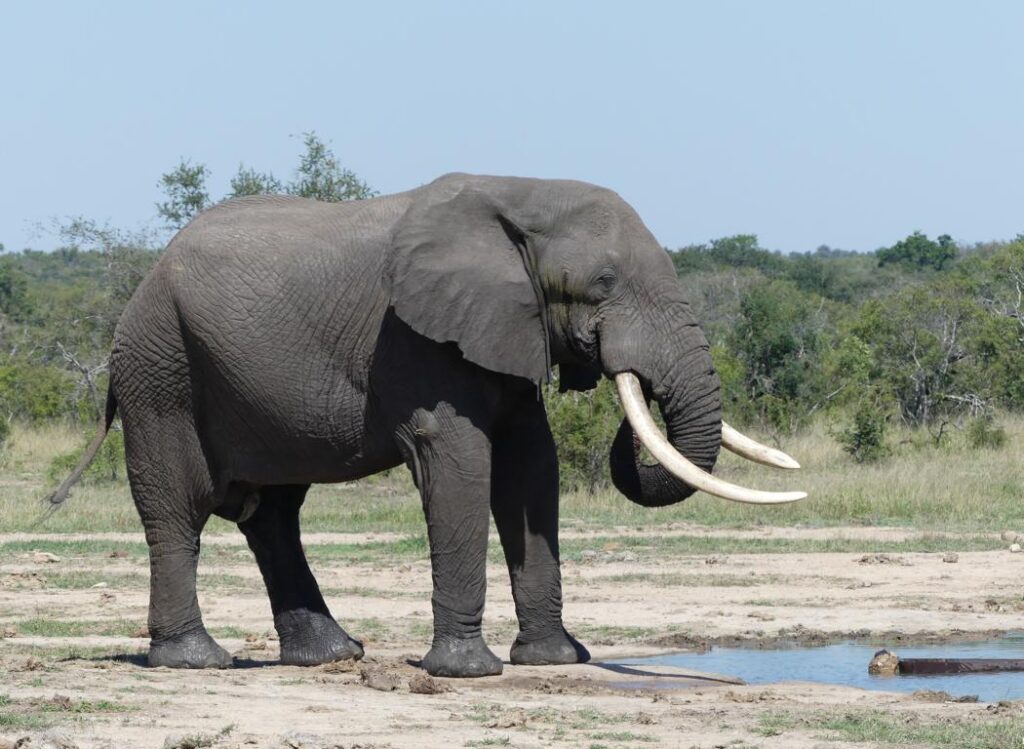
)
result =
(924, 332)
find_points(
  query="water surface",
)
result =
(847, 663)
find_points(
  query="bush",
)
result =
(108, 465)
(864, 439)
(35, 392)
(584, 425)
(984, 433)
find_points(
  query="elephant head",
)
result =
(526, 274)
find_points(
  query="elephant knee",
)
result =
(426, 427)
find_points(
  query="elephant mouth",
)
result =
(646, 430)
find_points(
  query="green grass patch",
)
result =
(358, 591)
(676, 579)
(660, 546)
(622, 736)
(76, 547)
(410, 547)
(88, 579)
(982, 732)
(51, 654)
(600, 634)
(38, 713)
(49, 627)
(235, 583)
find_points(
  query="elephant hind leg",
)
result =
(173, 493)
(308, 633)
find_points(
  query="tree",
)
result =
(248, 181)
(738, 251)
(185, 187)
(920, 339)
(918, 252)
(129, 255)
(321, 177)
(14, 302)
(778, 338)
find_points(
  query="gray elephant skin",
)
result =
(281, 342)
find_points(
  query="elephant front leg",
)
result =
(524, 500)
(450, 459)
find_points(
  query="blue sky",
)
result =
(807, 123)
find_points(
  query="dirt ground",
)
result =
(72, 663)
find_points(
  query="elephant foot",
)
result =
(309, 638)
(556, 649)
(461, 658)
(192, 650)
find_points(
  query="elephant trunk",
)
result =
(686, 390)
(682, 381)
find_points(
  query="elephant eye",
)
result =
(605, 282)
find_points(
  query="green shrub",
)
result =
(35, 392)
(864, 439)
(985, 433)
(584, 425)
(108, 465)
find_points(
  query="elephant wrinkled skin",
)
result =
(281, 342)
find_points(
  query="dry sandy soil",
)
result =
(72, 665)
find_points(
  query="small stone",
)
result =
(1015, 548)
(884, 663)
(426, 684)
(513, 719)
(32, 664)
(379, 679)
(950, 557)
(1010, 536)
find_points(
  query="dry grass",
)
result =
(923, 485)
(932, 487)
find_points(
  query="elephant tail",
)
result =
(60, 495)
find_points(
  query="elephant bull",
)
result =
(281, 342)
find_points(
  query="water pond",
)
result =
(847, 663)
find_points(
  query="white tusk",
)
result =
(632, 397)
(745, 447)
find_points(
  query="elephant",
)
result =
(281, 342)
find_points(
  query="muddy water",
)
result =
(847, 663)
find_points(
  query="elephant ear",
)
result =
(461, 270)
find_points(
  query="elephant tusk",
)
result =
(745, 447)
(632, 397)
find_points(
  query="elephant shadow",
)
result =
(141, 660)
